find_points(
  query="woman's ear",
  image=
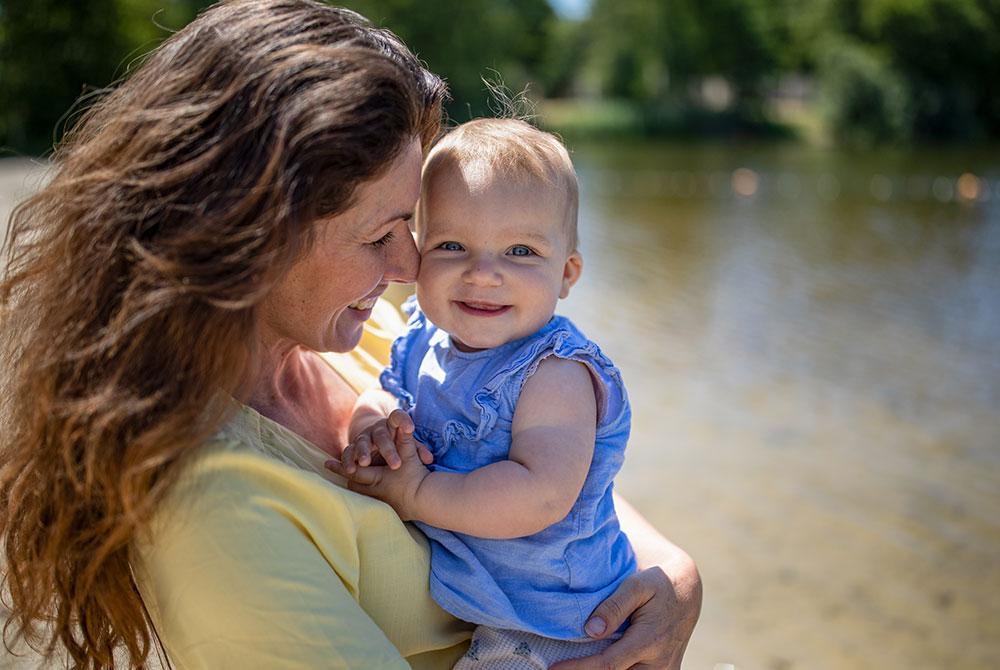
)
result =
(571, 272)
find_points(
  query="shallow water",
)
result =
(814, 368)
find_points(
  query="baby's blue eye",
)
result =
(450, 246)
(521, 250)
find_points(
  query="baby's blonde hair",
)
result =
(513, 149)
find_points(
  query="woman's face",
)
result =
(323, 301)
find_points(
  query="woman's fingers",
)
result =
(657, 633)
(612, 613)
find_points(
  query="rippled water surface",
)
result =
(814, 367)
(811, 340)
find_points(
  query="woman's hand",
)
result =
(663, 600)
(663, 614)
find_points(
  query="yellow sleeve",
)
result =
(258, 564)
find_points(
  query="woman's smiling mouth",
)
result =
(362, 305)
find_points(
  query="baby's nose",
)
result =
(482, 272)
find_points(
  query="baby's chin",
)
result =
(473, 344)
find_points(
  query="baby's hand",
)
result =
(396, 486)
(377, 444)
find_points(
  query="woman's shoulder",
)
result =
(252, 461)
(242, 532)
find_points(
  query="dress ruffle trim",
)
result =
(557, 338)
(391, 378)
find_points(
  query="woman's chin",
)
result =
(347, 330)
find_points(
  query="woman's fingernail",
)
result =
(595, 626)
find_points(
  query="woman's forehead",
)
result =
(393, 194)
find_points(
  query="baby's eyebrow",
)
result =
(533, 237)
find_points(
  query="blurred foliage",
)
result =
(886, 70)
(464, 41)
(865, 99)
(55, 55)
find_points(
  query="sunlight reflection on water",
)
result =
(814, 367)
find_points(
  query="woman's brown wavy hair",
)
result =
(132, 278)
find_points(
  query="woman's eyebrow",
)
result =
(405, 216)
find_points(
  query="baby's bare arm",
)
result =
(552, 446)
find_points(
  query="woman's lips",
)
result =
(481, 308)
(364, 304)
(368, 301)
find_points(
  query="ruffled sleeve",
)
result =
(558, 338)
(393, 377)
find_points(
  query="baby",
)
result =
(524, 418)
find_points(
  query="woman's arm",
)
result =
(663, 600)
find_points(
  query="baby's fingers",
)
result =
(401, 422)
(359, 453)
(398, 420)
(369, 476)
(382, 438)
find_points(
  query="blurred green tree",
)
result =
(650, 51)
(51, 52)
(465, 41)
(926, 62)
(57, 55)
(888, 69)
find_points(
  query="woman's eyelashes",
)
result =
(384, 240)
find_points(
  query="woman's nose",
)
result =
(482, 272)
(403, 260)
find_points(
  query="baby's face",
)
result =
(495, 257)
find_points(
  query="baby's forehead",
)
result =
(475, 177)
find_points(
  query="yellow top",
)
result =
(260, 558)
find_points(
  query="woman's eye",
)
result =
(450, 246)
(384, 240)
(521, 250)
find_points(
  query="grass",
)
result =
(612, 118)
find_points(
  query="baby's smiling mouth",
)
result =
(481, 308)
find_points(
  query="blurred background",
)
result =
(790, 217)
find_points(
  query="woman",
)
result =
(234, 207)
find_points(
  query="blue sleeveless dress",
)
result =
(462, 404)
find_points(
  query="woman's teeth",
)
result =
(364, 304)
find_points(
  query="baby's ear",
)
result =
(571, 273)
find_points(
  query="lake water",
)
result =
(811, 340)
